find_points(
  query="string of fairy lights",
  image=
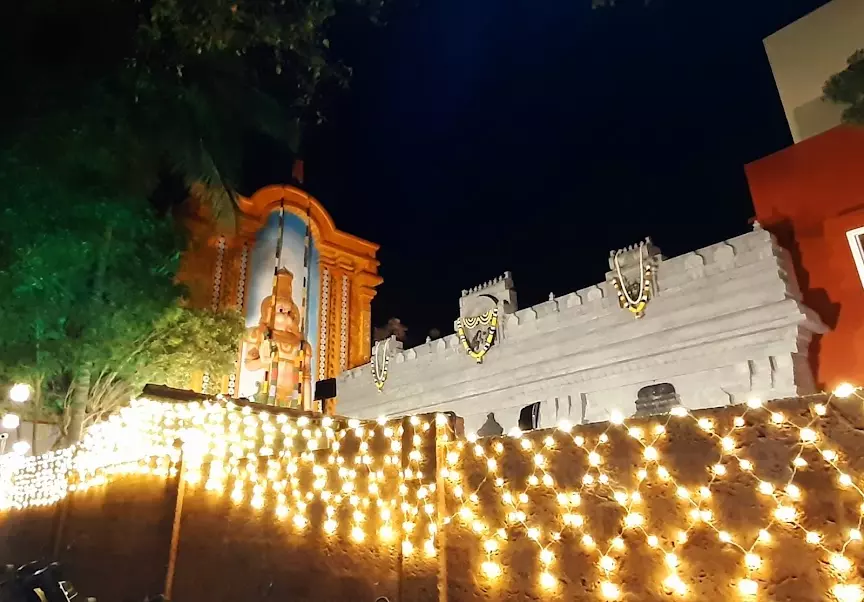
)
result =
(375, 481)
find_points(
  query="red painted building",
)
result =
(811, 196)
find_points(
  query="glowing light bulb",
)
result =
(588, 541)
(491, 569)
(752, 561)
(808, 435)
(633, 520)
(546, 556)
(609, 590)
(785, 514)
(594, 459)
(547, 581)
(854, 535)
(844, 390)
(840, 563)
(848, 592)
(616, 417)
(607, 563)
(754, 403)
(10, 421)
(650, 453)
(19, 393)
(20, 447)
(671, 560)
(748, 587)
(673, 582)
(812, 537)
(766, 488)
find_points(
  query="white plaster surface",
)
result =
(726, 324)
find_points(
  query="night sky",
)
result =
(535, 136)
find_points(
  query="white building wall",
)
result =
(726, 324)
(804, 54)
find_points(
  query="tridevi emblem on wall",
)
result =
(633, 275)
(477, 333)
(380, 362)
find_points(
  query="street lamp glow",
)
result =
(10, 421)
(19, 393)
(21, 447)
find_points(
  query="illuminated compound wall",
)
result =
(753, 502)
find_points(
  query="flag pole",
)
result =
(272, 375)
(304, 312)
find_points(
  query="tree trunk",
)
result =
(37, 408)
(78, 405)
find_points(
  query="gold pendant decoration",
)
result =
(631, 295)
(380, 366)
(490, 319)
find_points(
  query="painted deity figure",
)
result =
(279, 330)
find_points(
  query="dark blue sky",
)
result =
(480, 136)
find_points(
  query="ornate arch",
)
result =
(214, 269)
(256, 209)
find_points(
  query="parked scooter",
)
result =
(36, 582)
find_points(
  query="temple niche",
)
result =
(318, 303)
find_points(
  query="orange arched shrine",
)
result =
(216, 269)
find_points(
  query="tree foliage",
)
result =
(128, 93)
(847, 88)
(89, 281)
(394, 327)
(116, 110)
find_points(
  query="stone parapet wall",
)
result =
(726, 324)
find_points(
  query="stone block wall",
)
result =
(726, 324)
(112, 540)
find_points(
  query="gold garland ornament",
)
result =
(380, 367)
(489, 318)
(636, 305)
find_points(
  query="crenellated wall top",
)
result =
(672, 275)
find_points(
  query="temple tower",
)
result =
(234, 270)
